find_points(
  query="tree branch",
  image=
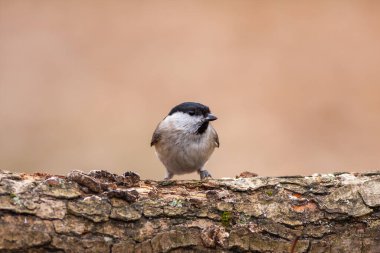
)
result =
(104, 212)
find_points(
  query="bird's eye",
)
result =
(191, 113)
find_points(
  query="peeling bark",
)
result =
(104, 212)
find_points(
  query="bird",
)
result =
(184, 140)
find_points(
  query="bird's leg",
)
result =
(168, 176)
(204, 174)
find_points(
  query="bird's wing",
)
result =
(156, 137)
(216, 138)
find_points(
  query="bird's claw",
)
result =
(204, 174)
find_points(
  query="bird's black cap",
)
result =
(191, 108)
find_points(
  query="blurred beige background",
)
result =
(295, 84)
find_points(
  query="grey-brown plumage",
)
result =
(185, 139)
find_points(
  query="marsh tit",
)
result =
(184, 140)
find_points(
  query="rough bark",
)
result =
(104, 212)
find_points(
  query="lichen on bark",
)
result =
(105, 212)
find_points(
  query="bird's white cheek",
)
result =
(183, 121)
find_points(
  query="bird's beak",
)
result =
(211, 117)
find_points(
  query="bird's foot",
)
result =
(168, 176)
(204, 174)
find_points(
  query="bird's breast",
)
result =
(183, 153)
